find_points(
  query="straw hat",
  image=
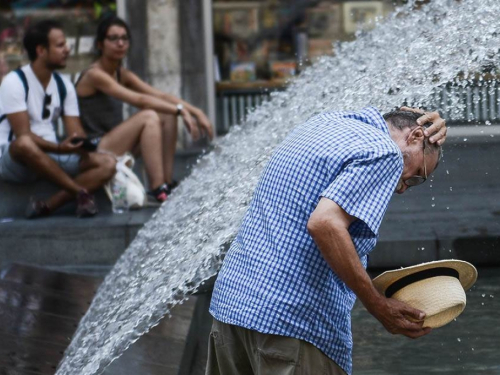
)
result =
(437, 288)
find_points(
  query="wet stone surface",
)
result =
(469, 345)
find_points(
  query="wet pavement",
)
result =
(40, 309)
(39, 313)
(468, 346)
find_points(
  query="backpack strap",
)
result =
(61, 88)
(23, 79)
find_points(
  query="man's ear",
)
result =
(417, 135)
(41, 50)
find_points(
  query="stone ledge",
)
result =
(59, 240)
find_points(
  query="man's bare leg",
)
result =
(24, 150)
(169, 129)
(97, 169)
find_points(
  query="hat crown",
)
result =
(442, 298)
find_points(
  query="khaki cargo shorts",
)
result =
(235, 350)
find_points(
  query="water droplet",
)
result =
(465, 139)
(458, 339)
(451, 188)
(433, 205)
(447, 171)
(483, 295)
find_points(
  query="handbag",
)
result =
(136, 196)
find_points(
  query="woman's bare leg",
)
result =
(144, 130)
(169, 129)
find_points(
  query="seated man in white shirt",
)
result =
(31, 101)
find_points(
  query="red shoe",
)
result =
(160, 193)
(85, 204)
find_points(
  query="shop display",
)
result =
(79, 19)
(361, 14)
(271, 40)
(283, 69)
(243, 72)
(324, 21)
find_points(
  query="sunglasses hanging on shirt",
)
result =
(47, 100)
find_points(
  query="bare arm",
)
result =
(101, 81)
(137, 84)
(73, 126)
(328, 226)
(104, 83)
(20, 125)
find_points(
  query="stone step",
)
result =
(15, 197)
(62, 239)
(59, 240)
(456, 214)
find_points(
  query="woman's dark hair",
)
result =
(102, 31)
(38, 34)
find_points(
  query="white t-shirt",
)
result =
(12, 100)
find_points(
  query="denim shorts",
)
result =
(13, 171)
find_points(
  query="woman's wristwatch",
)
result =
(180, 107)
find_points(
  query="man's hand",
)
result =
(67, 147)
(204, 123)
(399, 318)
(437, 129)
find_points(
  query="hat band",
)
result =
(417, 276)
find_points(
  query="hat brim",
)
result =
(467, 273)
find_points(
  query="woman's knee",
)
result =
(150, 116)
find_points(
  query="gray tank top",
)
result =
(99, 113)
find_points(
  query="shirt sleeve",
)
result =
(364, 187)
(12, 94)
(71, 101)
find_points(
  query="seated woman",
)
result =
(106, 85)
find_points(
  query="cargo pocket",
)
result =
(277, 355)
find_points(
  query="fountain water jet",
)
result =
(405, 59)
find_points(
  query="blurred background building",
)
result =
(224, 56)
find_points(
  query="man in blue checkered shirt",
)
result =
(283, 297)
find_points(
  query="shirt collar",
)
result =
(372, 116)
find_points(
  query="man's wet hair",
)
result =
(401, 120)
(38, 35)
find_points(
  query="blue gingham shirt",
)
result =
(274, 279)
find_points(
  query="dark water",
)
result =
(468, 346)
